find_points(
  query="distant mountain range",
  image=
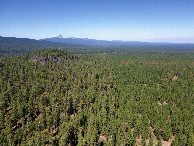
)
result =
(13, 45)
(92, 42)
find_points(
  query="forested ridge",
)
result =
(11, 46)
(54, 97)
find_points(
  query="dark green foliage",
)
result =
(54, 97)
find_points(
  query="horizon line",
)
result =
(169, 42)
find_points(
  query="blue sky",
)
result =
(131, 20)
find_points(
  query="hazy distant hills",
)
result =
(12, 45)
(124, 46)
(114, 43)
(92, 42)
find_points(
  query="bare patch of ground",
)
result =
(145, 85)
(102, 138)
(164, 103)
(168, 119)
(155, 141)
(154, 138)
(175, 78)
(138, 140)
(169, 142)
(132, 130)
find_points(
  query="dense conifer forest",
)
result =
(53, 97)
